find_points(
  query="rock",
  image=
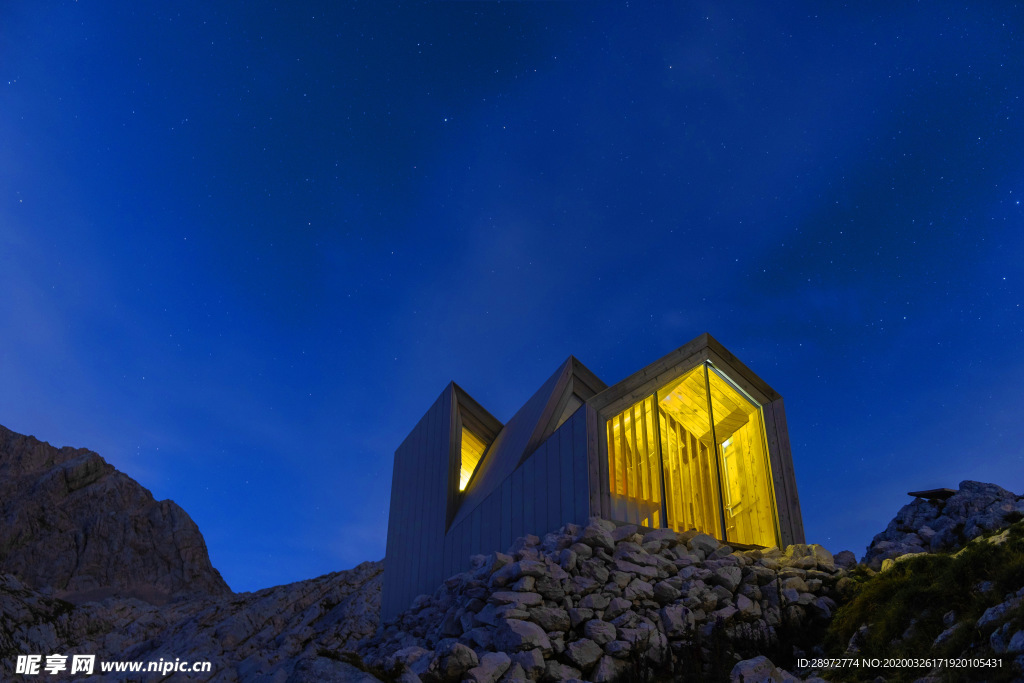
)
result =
(320, 669)
(492, 666)
(1000, 638)
(616, 606)
(516, 599)
(515, 674)
(600, 632)
(666, 538)
(550, 618)
(567, 559)
(556, 671)
(511, 573)
(997, 613)
(513, 635)
(728, 577)
(757, 670)
(583, 653)
(748, 609)
(638, 590)
(409, 657)
(845, 559)
(608, 670)
(796, 583)
(91, 532)
(457, 660)
(597, 536)
(704, 543)
(532, 662)
(595, 601)
(578, 616)
(665, 592)
(677, 620)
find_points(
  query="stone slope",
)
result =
(71, 522)
(607, 603)
(276, 634)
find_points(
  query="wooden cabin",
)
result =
(695, 440)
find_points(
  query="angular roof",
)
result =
(563, 392)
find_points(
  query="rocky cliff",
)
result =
(73, 523)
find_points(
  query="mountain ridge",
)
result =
(75, 524)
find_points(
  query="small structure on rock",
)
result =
(695, 440)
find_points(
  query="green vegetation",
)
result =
(904, 609)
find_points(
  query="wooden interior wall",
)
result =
(551, 488)
(419, 501)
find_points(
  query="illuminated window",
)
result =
(693, 453)
(472, 450)
(633, 467)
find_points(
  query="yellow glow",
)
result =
(472, 450)
(671, 435)
(691, 478)
(633, 468)
(748, 494)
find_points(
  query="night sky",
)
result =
(245, 246)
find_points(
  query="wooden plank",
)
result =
(782, 511)
(490, 523)
(540, 491)
(567, 494)
(454, 496)
(554, 482)
(506, 515)
(597, 459)
(933, 494)
(494, 542)
(476, 531)
(721, 356)
(476, 417)
(529, 496)
(419, 501)
(443, 487)
(644, 382)
(792, 501)
(517, 504)
(448, 554)
(582, 467)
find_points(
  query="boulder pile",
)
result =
(605, 603)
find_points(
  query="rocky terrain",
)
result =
(276, 634)
(128, 578)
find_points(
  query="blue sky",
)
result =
(244, 247)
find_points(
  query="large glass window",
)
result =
(693, 456)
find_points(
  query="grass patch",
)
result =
(904, 608)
